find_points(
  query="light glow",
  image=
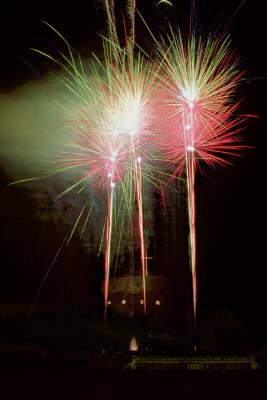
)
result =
(190, 148)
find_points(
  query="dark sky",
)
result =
(231, 202)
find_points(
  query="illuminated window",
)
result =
(123, 301)
(141, 301)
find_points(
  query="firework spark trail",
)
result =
(46, 275)
(198, 82)
(190, 171)
(190, 166)
(108, 228)
(131, 12)
(190, 174)
(109, 7)
(138, 172)
(141, 230)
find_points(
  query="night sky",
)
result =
(231, 205)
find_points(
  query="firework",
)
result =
(112, 136)
(199, 124)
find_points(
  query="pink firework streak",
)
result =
(103, 160)
(199, 122)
